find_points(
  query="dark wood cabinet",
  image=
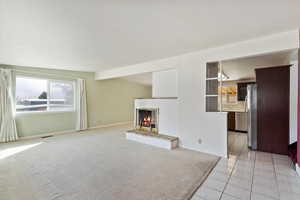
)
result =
(242, 91)
(273, 97)
(231, 121)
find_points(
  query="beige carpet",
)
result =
(99, 164)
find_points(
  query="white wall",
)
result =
(211, 128)
(168, 114)
(164, 84)
(194, 123)
(293, 102)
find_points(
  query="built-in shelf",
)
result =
(159, 98)
(214, 78)
(211, 95)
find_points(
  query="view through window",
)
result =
(33, 94)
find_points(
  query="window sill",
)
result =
(42, 112)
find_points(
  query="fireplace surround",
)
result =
(155, 123)
(146, 119)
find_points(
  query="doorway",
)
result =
(244, 130)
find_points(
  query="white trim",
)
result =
(211, 95)
(43, 112)
(73, 131)
(209, 79)
(298, 169)
(208, 152)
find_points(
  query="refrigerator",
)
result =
(252, 115)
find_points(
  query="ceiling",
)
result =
(144, 79)
(244, 68)
(97, 35)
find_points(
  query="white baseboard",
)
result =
(203, 151)
(298, 169)
(73, 131)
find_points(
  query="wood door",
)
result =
(273, 98)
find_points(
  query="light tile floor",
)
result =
(250, 175)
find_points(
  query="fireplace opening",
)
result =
(147, 119)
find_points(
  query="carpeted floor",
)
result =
(98, 164)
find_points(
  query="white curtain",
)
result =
(81, 105)
(8, 130)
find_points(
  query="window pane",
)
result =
(31, 94)
(61, 96)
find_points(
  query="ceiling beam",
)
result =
(157, 65)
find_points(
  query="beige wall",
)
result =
(108, 101)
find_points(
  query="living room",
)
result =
(108, 100)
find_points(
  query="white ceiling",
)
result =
(96, 35)
(244, 68)
(144, 79)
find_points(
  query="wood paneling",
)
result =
(273, 85)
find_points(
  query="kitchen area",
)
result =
(242, 85)
(235, 99)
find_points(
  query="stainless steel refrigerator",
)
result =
(252, 115)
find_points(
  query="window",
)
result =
(33, 94)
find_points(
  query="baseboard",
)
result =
(73, 131)
(203, 151)
(298, 169)
(47, 134)
(110, 125)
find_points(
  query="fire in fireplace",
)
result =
(147, 119)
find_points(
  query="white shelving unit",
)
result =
(212, 85)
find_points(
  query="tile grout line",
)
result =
(253, 174)
(205, 178)
(230, 175)
(275, 175)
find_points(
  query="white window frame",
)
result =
(48, 92)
